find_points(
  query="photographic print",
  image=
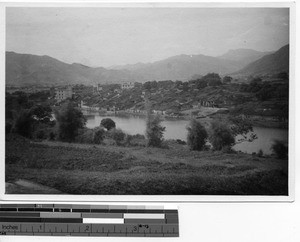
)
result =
(147, 100)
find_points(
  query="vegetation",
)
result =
(89, 169)
(197, 135)
(108, 123)
(227, 79)
(154, 131)
(25, 124)
(70, 120)
(242, 128)
(117, 135)
(280, 149)
(99, 135)
(221, 136)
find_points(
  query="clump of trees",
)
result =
(70, 119)
(33, 122)
(222, 135)
(210, 79)
(197, 135)
(266, 90)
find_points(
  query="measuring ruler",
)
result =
(88, 220)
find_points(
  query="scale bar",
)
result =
(103, 220)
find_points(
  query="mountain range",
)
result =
(272, 63)
(26, 69)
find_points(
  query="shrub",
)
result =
(221, 136)
(108, 123)
(117, 135)
(99, 136)
(86, 136)
(154, 131)
(138, 136)
(181, 142)
(260, 153)
(197, 135)
(128, 139)
(280, 149)
(137, 140)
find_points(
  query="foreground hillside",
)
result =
(104, 169)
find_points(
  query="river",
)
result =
(176, 129)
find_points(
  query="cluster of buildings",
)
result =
(63, 93)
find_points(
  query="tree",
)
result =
(154, 130)
(70, 120)
(213, 79)
(108, 123)
(221, 136)
(241, 128)
(24, 124)
(227, 79)
(280, 149)
(197, 135)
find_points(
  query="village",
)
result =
(199, 98)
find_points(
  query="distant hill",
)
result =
(269, 64)
(182, 67)
(25, 69)
(243, 56)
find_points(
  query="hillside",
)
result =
(182, 67)
(114, 170)
(25, 69)
(243, 56)
(269, 64)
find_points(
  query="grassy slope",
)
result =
(91, 169)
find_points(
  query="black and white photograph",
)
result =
(147, 100)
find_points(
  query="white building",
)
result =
(127, 85)
(63, 93)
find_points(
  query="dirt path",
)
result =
(27, 187)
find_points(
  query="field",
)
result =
(107, 170)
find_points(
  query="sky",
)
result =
(117, 36)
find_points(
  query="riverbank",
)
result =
(107, 169)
